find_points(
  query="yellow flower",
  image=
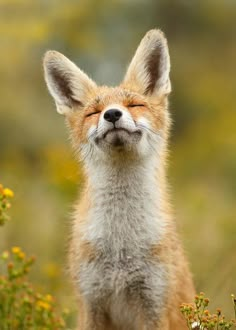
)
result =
(8, 192)
(21, 255)
(49, 298)
(43, 305)
(16, 250)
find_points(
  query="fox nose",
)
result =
(112, 115)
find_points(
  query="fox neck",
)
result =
(126, 202)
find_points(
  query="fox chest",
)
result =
(122, 277)
(122, 227)
(123, 265)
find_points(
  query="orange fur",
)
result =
(95, 265)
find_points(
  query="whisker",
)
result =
(99, 131)
(147, 129)
(94, 132)
(86, 152)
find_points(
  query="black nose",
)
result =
(112, 115)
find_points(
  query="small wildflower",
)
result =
(218, 311)
(10, 266)
(8, 205)
(21, 255)
(233, 298)
(16, 250)
(195, 325)
(49, 298)
(8, 192)
(44, 305)
(5, 255)
(30, 261)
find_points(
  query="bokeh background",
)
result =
(101, 37)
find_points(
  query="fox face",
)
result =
(131, 118)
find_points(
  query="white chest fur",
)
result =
(124, 222)
(125, 212)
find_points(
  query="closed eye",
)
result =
(92, 113)
(135, 105)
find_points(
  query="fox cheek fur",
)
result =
(126, 260)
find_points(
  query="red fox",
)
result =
(126, 260)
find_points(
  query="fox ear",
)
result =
(68, 85)
(148, 72)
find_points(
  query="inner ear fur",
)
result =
(68, 85)
(148, 72)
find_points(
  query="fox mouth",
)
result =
(120, 137)
(120, 130)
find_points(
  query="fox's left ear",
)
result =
(148, 72)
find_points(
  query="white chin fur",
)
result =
(122, 137)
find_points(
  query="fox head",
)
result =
(130, 119)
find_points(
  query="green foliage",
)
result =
(198, 317)
(21, 306)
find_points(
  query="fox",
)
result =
(126, 259)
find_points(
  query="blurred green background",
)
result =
(101, 37)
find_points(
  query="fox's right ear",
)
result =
(68, 85)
